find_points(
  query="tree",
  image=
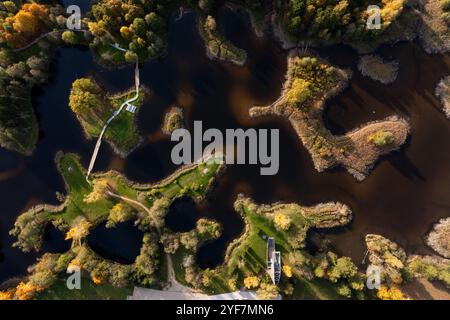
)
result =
(155, 22)
(158, 211)
(206, 5)
(189, 240)
(10, 6)
(7, 294)
(251, 282)
(26, 23)
(298, 263)
(69, 37)
(208, 228)
(17, 70)
(126, 33)
(139, 26)
(27, 291)
(37, 63)
(170, 243)
(147, 262)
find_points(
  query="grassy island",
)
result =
(93, 107)
(435, 32)
(310, 83)
(111, 198)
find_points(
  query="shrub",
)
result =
(382, 138)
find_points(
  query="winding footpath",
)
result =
(113, 116)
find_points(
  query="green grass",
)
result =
(88, 291)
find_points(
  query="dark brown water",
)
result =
(404, 195)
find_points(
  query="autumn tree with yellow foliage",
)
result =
(267, 291)
(118, 214)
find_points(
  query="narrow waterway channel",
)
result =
(406, 192)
